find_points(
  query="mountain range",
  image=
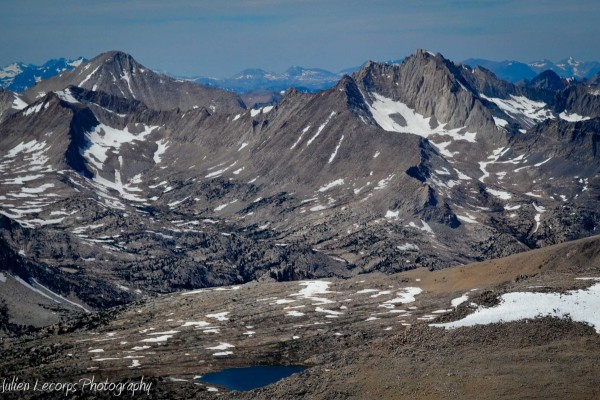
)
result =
(304, 79)
(18, 77)
(149, 183)
(165, 224)
(515, 71)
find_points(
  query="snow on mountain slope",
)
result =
(386, 112)
(579, 305)
(525, 110)
(326, 183)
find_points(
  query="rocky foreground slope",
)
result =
(371, 336)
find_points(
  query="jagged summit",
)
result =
(431, 86)
(426, 53)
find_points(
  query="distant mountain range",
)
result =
(305, 79)
(18, 77)
(515, 71)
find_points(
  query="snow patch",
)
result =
(540, 210)
(383, 109)
(332, 157)
(501, 123)
(33, 110)
(382, 184)
(337, 182)
(89, 76)
(222, 316)
(18, 103)
(531, 112)
(405, 296)
(294, 314)
(543, 162)
(392, 214)
(29, 147)
(67, 96)
(320, 129)
(425, 227)
(330, 312)
(459, 300)
(221, 346)
(162, 338)
(197, 324)
(104, 138)
(467, 218)
(300, 137)
(162, 148)
(312, 289)
(222, 206)
(223, 353)
(572, 117)
(499, 194)
(408, 247)
(580, 305)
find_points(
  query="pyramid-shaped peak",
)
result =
(114, 58)
(118, 74)
(114, 54)
(548, 80)
(348, 85)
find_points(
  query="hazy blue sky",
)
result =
(220, 38)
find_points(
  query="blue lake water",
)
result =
(250, 377)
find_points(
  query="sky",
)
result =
(221, 38)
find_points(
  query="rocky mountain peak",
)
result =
(429, 85)
(422, 53)
(119, 74)
(549, 80)
(595, 80)
(488, 84)
(353, 97)
(117, 60)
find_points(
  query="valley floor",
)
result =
(367, 337)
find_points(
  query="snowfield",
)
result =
(580, 305)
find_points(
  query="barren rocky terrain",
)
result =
(370, 336)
